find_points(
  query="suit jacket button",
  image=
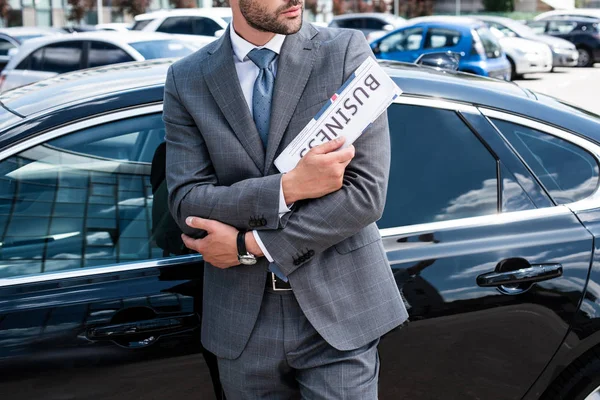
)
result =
(311, 253)
(263, 222)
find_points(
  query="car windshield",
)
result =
(139, 25)
(519, 28)
(490, 43)
(163, 48)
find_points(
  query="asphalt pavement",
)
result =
(579, 86)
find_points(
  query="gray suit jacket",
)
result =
(329, 248)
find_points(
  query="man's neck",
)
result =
(248, 33)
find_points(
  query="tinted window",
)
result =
(205, 26)
(104, 54)
(537, 27)
(406, 40)
(567, 172)
(58, 57)
(5, 45)
(514, 198)
(85, 199)
(139, 25)
(163, 49)
(561, 27)
(179, 25)
(440, 170)
(437, 37)
(350, 23)
(376, 24)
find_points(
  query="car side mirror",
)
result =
(219, 33)
(388, 27)
(448, 61)
(375, 48)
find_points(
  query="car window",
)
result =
(440, 170)
(405, 40)
(561, 27)
(101, 53)
(5, 46)
(350, 23)
(567, 172)
(374, 23)
(57, 57)
(163, 48)
(87, 199)
(537, 27)
(178, 25)
(139, 25)
(438, 37)
(205, 26)
(502, 28)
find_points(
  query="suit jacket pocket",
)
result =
(368, 235)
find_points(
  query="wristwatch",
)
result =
(244, 257)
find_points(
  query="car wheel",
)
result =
(580, 381)
(585, 58)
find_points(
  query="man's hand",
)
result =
(319, 172)
(219, 247)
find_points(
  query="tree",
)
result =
(498, 5)
(183, 3)
(132, 7)
(339, 7)
(78, 9)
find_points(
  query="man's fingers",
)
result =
(330, 146)
(344, 155)
(199, 223)
(189, 242)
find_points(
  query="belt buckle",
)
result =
(274, 284)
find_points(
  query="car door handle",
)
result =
(154, 327)
(534, 273)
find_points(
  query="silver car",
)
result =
(43, 58)
(564, 53)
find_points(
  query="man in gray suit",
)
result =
(297, 288)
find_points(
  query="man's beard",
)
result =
(258, 17)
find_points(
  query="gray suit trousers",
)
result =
(286, 358)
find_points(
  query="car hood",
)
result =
(553, 41)
(524, 45)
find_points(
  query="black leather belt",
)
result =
(276, 284)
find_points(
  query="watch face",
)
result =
(247, 260)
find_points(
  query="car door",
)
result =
(402, 45)
(490, 269)
(99, 299)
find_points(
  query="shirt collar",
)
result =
(241, 47)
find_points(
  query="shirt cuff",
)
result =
(262, 246)
(283, 208)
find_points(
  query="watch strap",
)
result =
(241, 243)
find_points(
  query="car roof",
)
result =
(42, 105)
(574, 18)
(382, 16)
(215, 12)
(455, 21)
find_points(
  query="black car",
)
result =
(583, 32)
(492, 214)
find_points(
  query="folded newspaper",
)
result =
(361, 100)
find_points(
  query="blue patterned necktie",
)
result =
(263, 91)
(261, 107)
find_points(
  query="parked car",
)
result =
(564, 53)
(584, 33)
(205, 23)
(480, 51)
(46, 57)
(12, 38)
(492, 215)
(114, 26)
(573, 12)
(525, 56)
(373, 25)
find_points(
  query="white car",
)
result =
(114, 26)
(205, 23)
(574, 12)
(46, 57)
(525, 56)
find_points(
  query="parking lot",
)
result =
(578, 86)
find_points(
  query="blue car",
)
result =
(480, 51)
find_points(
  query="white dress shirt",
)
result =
(247, 73)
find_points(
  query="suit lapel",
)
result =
(222, 80)
(293, 69)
